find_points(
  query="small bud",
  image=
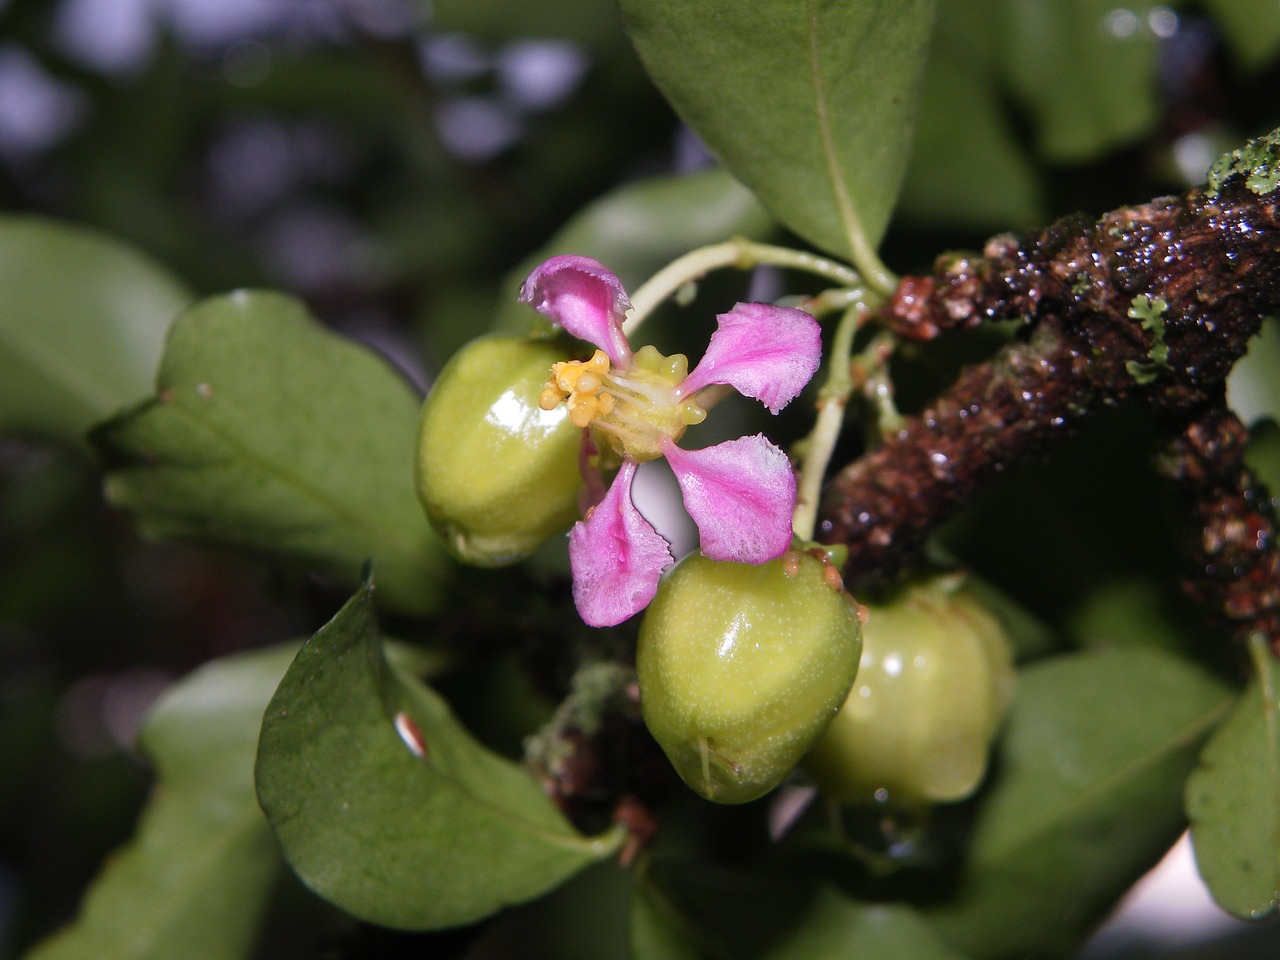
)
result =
(497, 473)
(741, 668)
(935, 679)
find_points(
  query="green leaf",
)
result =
(968, 170)
(809, 104)
(686, 909)
(385, 805)
(1262, 455)
(581, 920)
(1252, 27)
(1086, 798)
(640, 227)
(270, 433)
(1085, 69)
(82, 322)
(1233, 800)
(1253, 390)
(203, 861)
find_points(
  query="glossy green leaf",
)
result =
(1252, 27)
(203, 861)
(1086, 798)
(809, 104)
(686, 910)
(1085, 70)
(270, 433)
(1233, 800)
(82, 322)
(639, 227)
(386, 806)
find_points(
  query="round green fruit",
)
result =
(741, 668)
(935, 679)
(497, 474)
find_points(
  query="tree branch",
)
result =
(1230, 525)
(1151, 304)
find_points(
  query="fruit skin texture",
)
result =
(935, 679)
(741, 668)
(496, 474)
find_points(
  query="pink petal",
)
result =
(616, 555)
(585, 298)
(762, 351)
(741, 494)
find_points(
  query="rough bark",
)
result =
(1230, 525)
(1150, 305)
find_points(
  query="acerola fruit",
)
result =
(935, 679)
(497, 474)
(742, 666)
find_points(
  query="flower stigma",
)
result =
(635, 411)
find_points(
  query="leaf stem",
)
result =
(832, 399)
(737, 252)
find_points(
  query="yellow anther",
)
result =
(550, 398)
(580, 384)
(566, 375)
(599, 362)
(691, 413)
(582, 412)
(635, 411)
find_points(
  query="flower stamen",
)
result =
(635, 410)
(580, 385)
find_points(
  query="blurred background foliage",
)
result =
(391, 162)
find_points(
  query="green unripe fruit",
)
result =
(742, 667)
(497, 474)
(935, 679)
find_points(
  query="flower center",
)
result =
(635, 410)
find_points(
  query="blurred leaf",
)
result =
(640, 227)
(967, 168)
(1085, 799)
(1252, 27)
(811, 105)
(82, 323)
(1253, 389)
(1262, 454)
(203, 861)
(1233, 800)
(685, 909)
(593, 23)
(387, 807)
(1129, 610)
(581, 920)
(1085, 69)
(271, 433)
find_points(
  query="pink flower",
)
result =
(637, 405)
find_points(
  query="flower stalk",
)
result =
(833, 398)
(739, 253)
